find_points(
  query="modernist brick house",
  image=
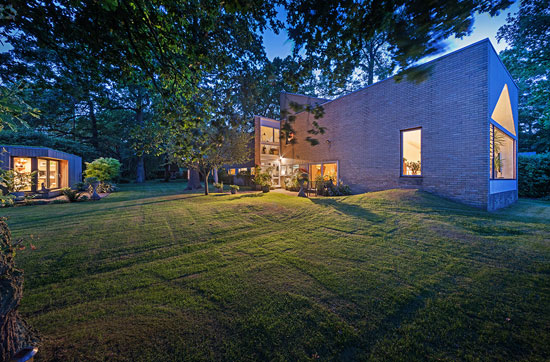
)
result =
(453, 135)
(55, 169)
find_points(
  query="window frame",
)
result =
(322, 163)
(401, 152)
(492, 127)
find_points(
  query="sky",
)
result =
(485, 26)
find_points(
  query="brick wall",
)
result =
(363, 130)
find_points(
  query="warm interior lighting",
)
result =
(503, 155)
(23, 165)
(502, 114)
(411, 152)
(330, 171)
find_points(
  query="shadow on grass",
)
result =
(349, 209)
(100, 210)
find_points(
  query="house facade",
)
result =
(454, 134)
(54, 169)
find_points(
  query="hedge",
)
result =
(534, 175)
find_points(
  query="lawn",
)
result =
(153, 273)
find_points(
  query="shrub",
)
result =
(104, 169)
(534, 175)
(14, 181)
(329, 188)
(234, 187)
(81, 186)
(262, 178)
(70, 194)
(7, 200)
(106, 187)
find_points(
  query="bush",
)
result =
(262, 178)
(14, 181)
(81, 186)
(104, 169)
(106, 187)
(534, 175)
(329, 188)
(234, 187)
(7, 200)
(70, 194)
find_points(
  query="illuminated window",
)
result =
(502, 154)
(42, 174)
(53, 174)
(270, 134)
(267, 134)
(270, 150)
(22, 165)
(502, 113)
(314, 171)
(48, 174)
(411, 152)
(231, 171)
(330, 171)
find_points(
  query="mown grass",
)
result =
(153, 273)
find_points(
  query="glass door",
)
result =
(53, 174)
(42, 174)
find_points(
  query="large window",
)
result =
(48, 174)
(22, 165)
(270, 134)
(411, 164)
(328, 170)
(503, 155)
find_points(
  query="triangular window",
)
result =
(502, 114)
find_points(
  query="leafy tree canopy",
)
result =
(528, 60)
(329, 35)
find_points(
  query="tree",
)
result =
(338, 30)
(528, 60)
(13, 107)
(208, 146)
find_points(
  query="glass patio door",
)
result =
(53, 174)
(48, 174)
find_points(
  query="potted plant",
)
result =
(234, 188)
(263, 179)
(94, 183)
(219, 186)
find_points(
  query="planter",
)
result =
(233, 191)
(95, 195)
(265, 189)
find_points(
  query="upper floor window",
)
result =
(411, 164)
(503, 155)
(270, 134)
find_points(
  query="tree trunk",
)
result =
(193, 182)
(167, 172)
(206, 175)
(93, 121)
(216, 180)
(140, 170)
